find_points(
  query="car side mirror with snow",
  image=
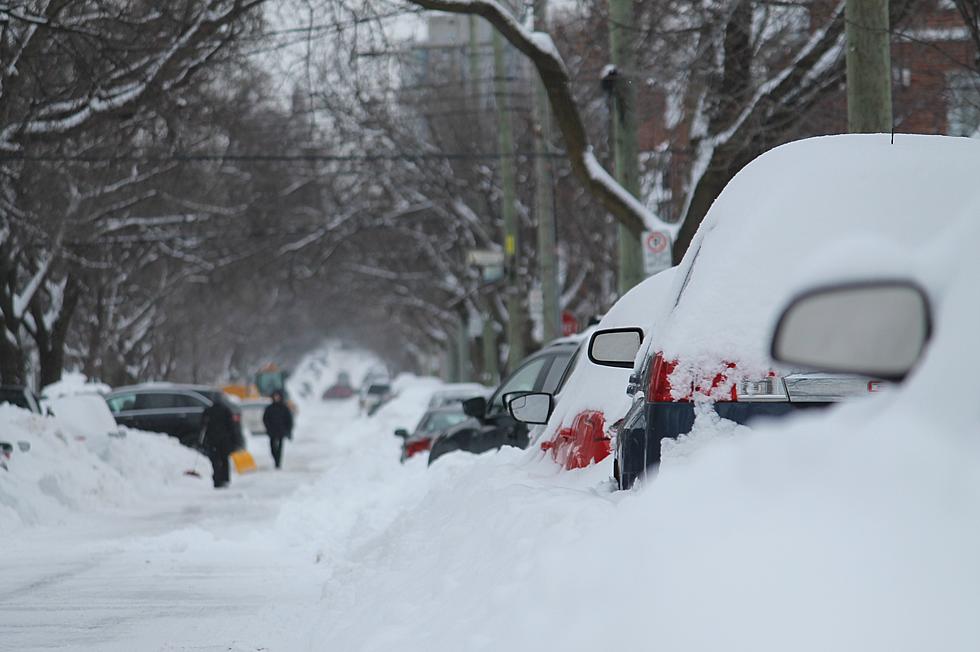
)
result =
(615, 347)
(475, 407)
(401, 432)
(532, 407)
(874, 328)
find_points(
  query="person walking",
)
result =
(219, 441)
(278, 420)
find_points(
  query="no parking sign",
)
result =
(656, 252)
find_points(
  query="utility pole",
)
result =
(544, 198)
(463, 347)
(869, 69)
(515, 308)
(625, 149)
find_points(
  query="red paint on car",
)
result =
(581, 443)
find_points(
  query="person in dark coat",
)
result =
(219, 440)
(278, 422)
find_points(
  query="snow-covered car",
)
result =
(837, 203)
(338, 391)
(252, 411)
(457, 393)
(581, 420)
(170, 408)
(435, 421)
(81, 407)
(490, 424)
(373, 396)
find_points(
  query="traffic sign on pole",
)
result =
(657, 252)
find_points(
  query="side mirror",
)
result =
(475, 407)
(877, 329)
(24, 446)
(615, 347)
(401, 432)
(532, 408)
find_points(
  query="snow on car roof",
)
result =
(802, 211)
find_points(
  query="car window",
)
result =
(14, 397)
(378, 389)
(522, 380)
(188, 401)
(556, 373)
(121, 402)
(436, 421)
(156, 401)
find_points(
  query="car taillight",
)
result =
(659, 388)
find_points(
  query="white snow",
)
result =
(812, 209)
(852, 529)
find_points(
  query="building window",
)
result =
(963, 104)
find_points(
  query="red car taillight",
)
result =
(659, 389)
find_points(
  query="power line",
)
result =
(271, 158)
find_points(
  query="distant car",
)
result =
(252, 411)
(490, 425)
(457, 393)
(20, 396)
(437, 420)
(338, 391)
(373, 396)
(174, 409)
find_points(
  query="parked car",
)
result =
(82, 409)
(809, 209)
(20, 396)
(453, 393)
(252, 411)
(435, 421)
(173, 409)
(373, 396)
(490, 425)
(338, 391)
(592, 402)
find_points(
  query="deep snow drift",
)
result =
(851, 530)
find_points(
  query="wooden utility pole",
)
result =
(544, 198)
(869, 73)
(491, 370)
(515, 307)
(625, 148)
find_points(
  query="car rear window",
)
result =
(14, 397)
(156, 401)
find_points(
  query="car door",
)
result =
(189, 417)
(158, 412)
(501, 429)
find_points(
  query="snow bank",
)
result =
(852, 529)
(70, 471)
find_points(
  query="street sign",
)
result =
(569, 325)
(485, 257)
(657, 252)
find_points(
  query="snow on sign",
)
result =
(657, 252)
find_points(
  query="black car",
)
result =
(21, 397)
(176, 410)
(490, 425)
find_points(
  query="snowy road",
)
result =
(205, 570)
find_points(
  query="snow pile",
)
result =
(70, 470)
